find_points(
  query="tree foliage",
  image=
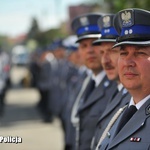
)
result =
(5, 43)
(34, 29)
(43, 37)
(117, 5)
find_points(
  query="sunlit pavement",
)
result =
(21, 119)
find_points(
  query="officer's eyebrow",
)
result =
(137, 47)
(122, 47)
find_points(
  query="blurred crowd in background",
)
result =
(55, 70)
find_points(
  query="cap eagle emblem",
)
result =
(126, 18)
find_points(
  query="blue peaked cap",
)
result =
(108, 32)
(133, 27)
(85, 26)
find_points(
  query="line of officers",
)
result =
(102, 71)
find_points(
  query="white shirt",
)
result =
(139, 104)
(98, 78)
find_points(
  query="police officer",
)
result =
(109, 60)
(56, 60)
(41, 70)
(134, 69)
(99, 89)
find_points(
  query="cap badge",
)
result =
(126, 19)
(106, 21)
(84, 21)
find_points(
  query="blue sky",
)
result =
(15, 15)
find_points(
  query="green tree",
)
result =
(5, 43)
(44, 38)
(34, 29)
(117, 5)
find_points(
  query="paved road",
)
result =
(22, 119)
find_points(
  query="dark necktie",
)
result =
(90, 87)
(128, 113)
(114, 95)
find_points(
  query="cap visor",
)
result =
(144, 43)
(90, 36)
(97, 42)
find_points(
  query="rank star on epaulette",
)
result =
(106, 21)
(106, 83)
(127, 18)
(124, 91)
(84, 21)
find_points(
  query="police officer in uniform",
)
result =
(43, 83)
(109, 60)
(99, 89)
(131, 129)
(57, 62)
